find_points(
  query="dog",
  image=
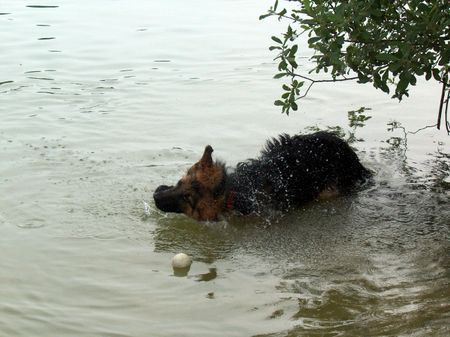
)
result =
(291, 171)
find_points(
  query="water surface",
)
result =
(102, 101)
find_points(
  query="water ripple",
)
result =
(41, 6)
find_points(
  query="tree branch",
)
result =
(306, 92)
(441, 104)
(324, 81)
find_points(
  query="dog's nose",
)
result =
(167, 199)
(159, 195)
(161, 188)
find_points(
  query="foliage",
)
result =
(389, 43)
(356, 119)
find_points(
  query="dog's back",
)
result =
(296, 169)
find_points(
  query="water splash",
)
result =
(147, 209)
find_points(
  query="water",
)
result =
(103, 101)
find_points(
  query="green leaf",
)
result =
(395, 67)
(377, 82)
(308, 22)
(262, 17)
(385, 76)
(282, 66)
(276, 39)
(362, 78)
(278, 103)
(280, 75)
(436, 74)
(292, 62)
(299, 84)
(386, 57)
(402, 85)
(384, 87)
(293, 50)
(283, 12)
(314, 39)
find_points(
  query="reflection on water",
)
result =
(103, 101)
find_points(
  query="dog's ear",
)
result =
(206, 160)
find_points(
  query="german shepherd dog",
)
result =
(290, 171)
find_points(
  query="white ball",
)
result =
(181, 260)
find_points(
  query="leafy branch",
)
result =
(389, 43)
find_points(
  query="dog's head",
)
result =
(199, 193)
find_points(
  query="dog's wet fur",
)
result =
(291, 171)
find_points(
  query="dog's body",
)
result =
(291, 170)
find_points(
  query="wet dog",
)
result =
(290, 171)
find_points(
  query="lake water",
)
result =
(102, 101)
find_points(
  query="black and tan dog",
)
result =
(290, 171)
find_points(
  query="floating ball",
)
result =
(181, 261)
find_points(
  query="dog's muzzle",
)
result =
(168, 199)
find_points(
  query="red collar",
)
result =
(230, 200)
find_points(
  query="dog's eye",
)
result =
(187, 197)
(195, 185)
